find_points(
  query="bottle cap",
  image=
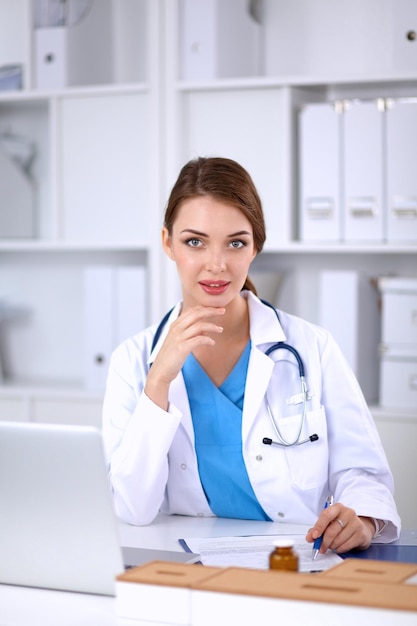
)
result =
(284, 543)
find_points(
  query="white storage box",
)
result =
(399, 318)
(398, 383)
(399, 310)
(398, 348)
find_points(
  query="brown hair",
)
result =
(225, 180)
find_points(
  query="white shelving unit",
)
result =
(108, 153)
(96, 182)
(254, 119)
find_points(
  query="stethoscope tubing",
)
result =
(282, 345)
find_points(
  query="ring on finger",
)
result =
(342, 524)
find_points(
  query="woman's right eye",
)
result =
(193, 242)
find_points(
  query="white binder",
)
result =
(75, 50)
(219, 39)
(115, 309)
(51, 58)
(348, 308)
(320, 127)
(130, 302)
(98, 324)
(402, 171)
(363, 208)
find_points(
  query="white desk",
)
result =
(167, 529)
(21, 606)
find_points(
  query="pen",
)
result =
(317, 542)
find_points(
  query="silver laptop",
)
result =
(58, 529)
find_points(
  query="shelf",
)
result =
(47, 389)
(22, 96)
(58, 246)
(401, 81)
(96, 90)
(384, 414)
(344, 248)
(52, 403)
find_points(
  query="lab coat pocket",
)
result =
(308, 462)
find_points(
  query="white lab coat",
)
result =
(151, 455)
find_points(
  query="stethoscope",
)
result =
(280, 345)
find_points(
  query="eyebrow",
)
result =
(197, 232)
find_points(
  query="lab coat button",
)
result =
(183, 466)
(259, 457)
(281, 514)
(200, 515)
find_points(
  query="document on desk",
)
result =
(253, 552)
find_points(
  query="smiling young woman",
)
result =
(212, 245)
(213, 229)
(189, 404)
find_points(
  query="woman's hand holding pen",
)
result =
(193, 328)
(342, 529)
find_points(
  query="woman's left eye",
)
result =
(237, 243)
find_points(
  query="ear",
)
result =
(167, 243)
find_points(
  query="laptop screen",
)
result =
(58, 527)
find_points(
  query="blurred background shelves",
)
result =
(108, 100)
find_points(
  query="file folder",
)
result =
(357, 330)
(320, 128)
(402, 170)
(363, 172)
(115, 309)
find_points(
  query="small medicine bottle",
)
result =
(283, 557)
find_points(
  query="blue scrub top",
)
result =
(217, 420)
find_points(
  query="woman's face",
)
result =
(212, 246)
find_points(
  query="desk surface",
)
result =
(39, 607)
(165, 531)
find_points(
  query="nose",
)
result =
(215, 262)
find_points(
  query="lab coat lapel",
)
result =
(259, 374)
(265, 330)
(179, 398)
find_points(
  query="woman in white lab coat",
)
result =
(187, 413)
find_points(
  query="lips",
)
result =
(214, 287)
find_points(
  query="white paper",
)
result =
(253, 552)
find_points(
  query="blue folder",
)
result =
(404, 550)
